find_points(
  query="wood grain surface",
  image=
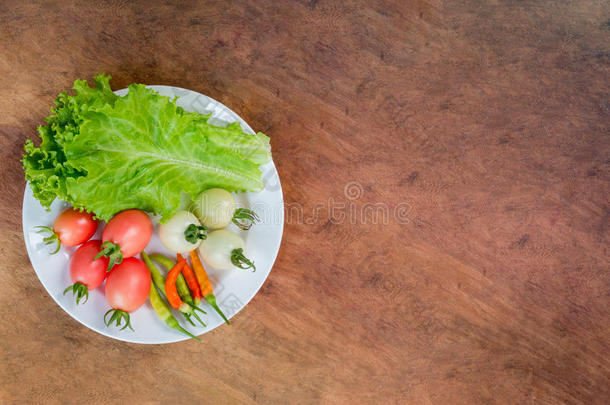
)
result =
(463, 144)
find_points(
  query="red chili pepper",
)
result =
(170, 285)
(191, 281)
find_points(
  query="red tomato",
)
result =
(128, 285)
(74, 227)
(85, 269)
(131, 230)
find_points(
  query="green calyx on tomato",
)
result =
(244, 218)
(112, 251)
(241, 261)
(80, 291)
(117, 316)
(193, 233)
(52, 239)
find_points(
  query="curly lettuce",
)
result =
(104, 153)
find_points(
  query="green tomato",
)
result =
(223, 250)
(182, 233)
(215, 208)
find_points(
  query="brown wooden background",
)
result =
(486, 121)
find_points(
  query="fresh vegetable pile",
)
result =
(129, 280)
(104, 153)
(116, 159)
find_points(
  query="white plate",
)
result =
(233, 289)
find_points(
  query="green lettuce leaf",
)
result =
(45, 166)
(254, 148)
(104, 153)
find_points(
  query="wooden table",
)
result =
(464, 145)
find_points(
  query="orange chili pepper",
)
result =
(170, 285)
(204, 283)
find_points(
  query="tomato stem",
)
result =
(245, 218)
(79, 290)
(118, 316)
(112, 251)
(241, 261)
(53, 238)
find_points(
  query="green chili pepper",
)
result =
(183, 290)
(159, 281)
(165, 261)
(157, 278)
(163, 312)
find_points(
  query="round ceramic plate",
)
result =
(233, 289)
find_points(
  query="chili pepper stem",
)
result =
(196, 307)
(198, 318)
(188, 318)
(187, 333)
(211, 299)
